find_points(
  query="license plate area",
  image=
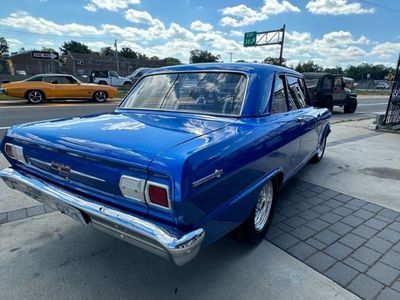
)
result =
(70, 211)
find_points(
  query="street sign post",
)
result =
(46, 55)
(250, 39)
(266, 38)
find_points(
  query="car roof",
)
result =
(247, 68)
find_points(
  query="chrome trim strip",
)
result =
(140, 232)
(38, 161)
(216, 174)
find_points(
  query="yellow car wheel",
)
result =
(35, 96)
(100, 96)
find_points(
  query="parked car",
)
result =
(176, 166)
(329, 90)
(109, 78)
(38, 88)
(138, 73)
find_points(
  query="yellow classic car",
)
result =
(57, 86)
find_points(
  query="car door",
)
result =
(338, 90)
(114, 80)
(67, 87)
(286, 130)
(306, 117)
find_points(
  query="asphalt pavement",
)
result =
(19, 111)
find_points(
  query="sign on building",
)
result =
(44, 55)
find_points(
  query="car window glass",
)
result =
(113, 74)
(327, 83)
(279, 103)
(204, 92)
(296, 93)
(51, 79)
(139, 74)
(338, 82)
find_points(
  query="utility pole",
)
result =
(231, 53)
(116, 54)
(283, 40)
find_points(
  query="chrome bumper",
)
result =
(134, 230)
(3, 91)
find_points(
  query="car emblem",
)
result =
(216, 174)
(64, 170)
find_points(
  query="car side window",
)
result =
(279, 103)
(296, 93)
(338, 82)
(327, 83)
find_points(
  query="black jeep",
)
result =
(329, 90)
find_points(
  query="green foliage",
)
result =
(274, 61)
(367, 71)
(170, 61)
(74, 47)
(308, 66)
(3, 47)
(107, 51)
(202, 56)
(128, 53)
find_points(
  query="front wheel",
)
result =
(350, 107)
(100, 96)
(320, 152)
(35, 97)
(253, 230)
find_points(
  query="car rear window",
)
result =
(220, 93)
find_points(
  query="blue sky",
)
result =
(330, 32)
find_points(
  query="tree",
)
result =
(74, 47)
(274, 61)
(309, 66)
(3, 47)
(47, 49)
(107, 51)
(128, 53)
(202, 56)
(170, 61)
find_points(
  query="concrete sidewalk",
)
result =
(360, 162)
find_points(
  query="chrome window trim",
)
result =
(191, 111)
(148, 183)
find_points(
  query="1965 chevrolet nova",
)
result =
(192, 153)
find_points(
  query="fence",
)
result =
(392, 117)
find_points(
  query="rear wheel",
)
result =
(253, 230)
(35, 96)
(100, 96)
(351, 106)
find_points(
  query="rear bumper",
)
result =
(139, 232)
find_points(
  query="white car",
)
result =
(138, 73)
(109, 78)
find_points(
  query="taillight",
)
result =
(158, 194)
(15, 152)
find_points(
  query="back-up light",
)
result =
(14, 152)
(158, 194)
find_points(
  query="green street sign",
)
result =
(250, 39)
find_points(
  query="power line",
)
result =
(380, 5)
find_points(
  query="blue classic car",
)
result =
(192, 153)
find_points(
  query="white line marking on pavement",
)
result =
(371, 104)
(4, 128)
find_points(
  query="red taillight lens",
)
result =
(158, 195)
(9, 150)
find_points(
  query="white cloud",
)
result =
(337, 7)
(14, 42)
(200, 26)
(242, 15)
(112, 5)
(386, 50)
(152, 37)
(139, 17)
(44, 43)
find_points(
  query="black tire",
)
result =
(35, 96)
(351, 106)
(320, 152)
(252, 231)
(100, 96)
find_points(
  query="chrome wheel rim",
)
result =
(35, 97)
(101, 96)
(263, 206)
